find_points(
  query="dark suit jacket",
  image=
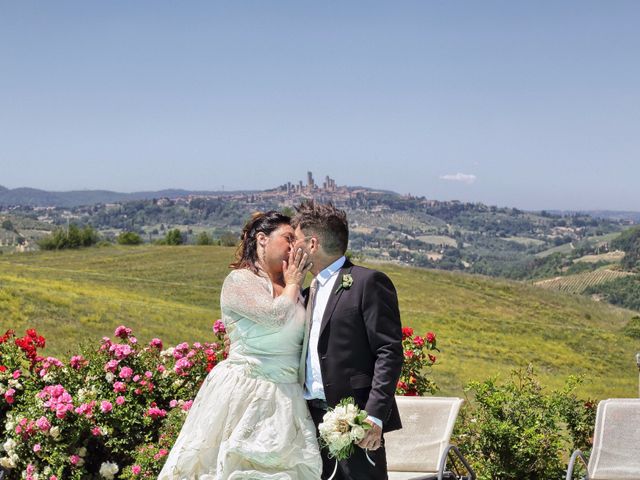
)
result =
(360, 344)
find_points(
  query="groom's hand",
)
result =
(373, 437)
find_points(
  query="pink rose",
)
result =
(136, 469)
(111, 366)
(9, 396)
(219, 328)
(43, 424)
(122, 331)
(120, 400)
(106, 406)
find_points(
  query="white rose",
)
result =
(6, 462)
(9, 426)
(109, 377)
(55, 432)
(82, 452)
(340, 411)
(15, 384)
(167, 353)
(2, 389)
(9, 445)
(48, 378)
(108, 470)
(357, 433)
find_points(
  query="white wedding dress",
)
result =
(249, 420)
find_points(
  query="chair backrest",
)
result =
(616, 440)
(427, 423)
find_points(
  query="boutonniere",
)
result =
(345, 284)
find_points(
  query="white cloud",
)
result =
(459, 177)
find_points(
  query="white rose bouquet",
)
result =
(342, 428)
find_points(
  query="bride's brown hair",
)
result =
(247, 251)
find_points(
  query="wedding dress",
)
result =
(249, 420)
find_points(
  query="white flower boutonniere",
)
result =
(345, 284)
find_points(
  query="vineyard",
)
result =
(580, 282)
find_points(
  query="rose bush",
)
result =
(88, 417)
(114, 410)
(418, 360)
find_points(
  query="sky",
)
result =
(528, 104)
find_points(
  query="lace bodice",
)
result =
(265, 332)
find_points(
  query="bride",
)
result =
(249, 420)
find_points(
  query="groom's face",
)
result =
(304, 242)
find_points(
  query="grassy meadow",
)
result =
(484, 326)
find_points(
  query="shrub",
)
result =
(204, 238)
(129, 238)
(414, 379)
(71, 237)
(174, 237)
(516, 431)
(632, 329)
(87, 417)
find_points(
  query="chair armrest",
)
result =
(577, 455)
(443, 462)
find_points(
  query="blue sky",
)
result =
(528, 104)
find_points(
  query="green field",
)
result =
(484, 326)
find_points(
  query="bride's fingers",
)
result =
(303, 261)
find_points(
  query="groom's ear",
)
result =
(314, 245)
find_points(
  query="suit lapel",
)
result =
(335, 297)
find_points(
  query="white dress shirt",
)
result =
(313, 386)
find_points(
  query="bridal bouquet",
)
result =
(342, 428)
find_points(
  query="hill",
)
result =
(581, 282)
(34, 197)
(484, 326)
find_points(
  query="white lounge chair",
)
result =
(419, 451)
(616, 442)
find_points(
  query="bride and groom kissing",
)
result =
(294, 354)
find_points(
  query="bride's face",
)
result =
(277, 247)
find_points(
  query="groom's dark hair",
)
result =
(325, 221)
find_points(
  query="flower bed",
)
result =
(111, 411)
(115, 409)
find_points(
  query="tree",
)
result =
(204, 238)
(8, 225)
(129, 238)
(71, 237)
(174, 237)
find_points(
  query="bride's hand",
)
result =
(296, 268)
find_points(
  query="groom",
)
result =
(353, 338)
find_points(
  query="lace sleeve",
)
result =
(248, 295)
